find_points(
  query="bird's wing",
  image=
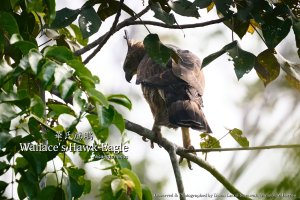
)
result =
(188, 69)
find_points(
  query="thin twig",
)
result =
(181, 152)
(120, 26)
(214, 172)
(131, 21)
(107, 36)
(175, 165)
(289, 146)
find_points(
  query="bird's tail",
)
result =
(188, 113)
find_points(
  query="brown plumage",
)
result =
(174, 93)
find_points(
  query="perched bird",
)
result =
(173, 92)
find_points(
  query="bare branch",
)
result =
(107, 36)
(131, 21)
(119, 26)
(205, 150)
(175, 165)
(181, 152)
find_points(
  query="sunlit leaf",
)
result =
(78, 35)
(208, 141)
(97, 96)
(59, 53)
(4, 69)
(51, 12)
(121, 100)
(34, 6)
(237, 135)
(34, 57)
(135, 179)
(147, 194)
(105, 187)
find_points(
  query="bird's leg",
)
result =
(186, 143)
(157, 135)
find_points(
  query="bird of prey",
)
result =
(173, 92)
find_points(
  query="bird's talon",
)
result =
(145, 139)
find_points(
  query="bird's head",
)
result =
(135, 54)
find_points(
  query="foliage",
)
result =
(47, 91)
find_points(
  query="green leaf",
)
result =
(8, 112)
(59, 108)
(105, 115)
(5, 69)
(34, 6)
(35, 128)
(121, 100)
(117, 185)
(105, 187)
(135, 179)
(4, 138)
(158, 51)
(77, 181)
(25, 46)
(59, 53)
(51, 12)
(100, 132)
(202, 3)
(97, 96)
(78, 35)
(34, 58)
(240, 27)
(89, 22)
(223, 6)
(213, 56)
(3, 167)
(276, 31)
(267, 66)
(123, 163)
(243, 61)
(237, 134)
(119, 121)
(160, 14)
(21, 164)
(209, 141)
(47, 73)
(67, 88)
(51, 193)
(3, 186)
(110, 8)
(64, 17)
(147, 194)
(28, 184)
(37, 106)
(37, 160)
(184, 8)
(81, 70)
(8, 24)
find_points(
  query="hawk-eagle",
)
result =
(173, 92)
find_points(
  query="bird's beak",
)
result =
(128, 77)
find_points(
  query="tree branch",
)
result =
(175, 165)
(131, 21)
(107, 35)
(118, 27)
(181, 152)
(205, 150)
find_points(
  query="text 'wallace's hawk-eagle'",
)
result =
(173, 92)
